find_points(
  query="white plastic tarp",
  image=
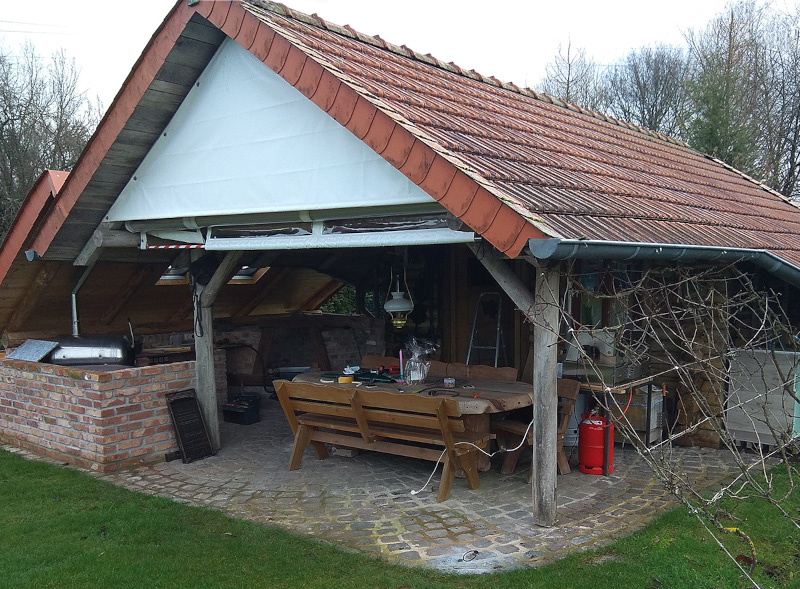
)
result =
(245, 141)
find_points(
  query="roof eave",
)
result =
(44, 191)
(557, 249)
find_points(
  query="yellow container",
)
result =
(345, 379)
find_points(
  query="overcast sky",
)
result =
(511, 40)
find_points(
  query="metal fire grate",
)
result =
(190, 428)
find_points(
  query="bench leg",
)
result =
(510, 459)
(563, 462)
(447, 480)
(301, 441)
(469, 464)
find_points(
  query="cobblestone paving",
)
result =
(365, 502)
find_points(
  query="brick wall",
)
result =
(341, 347)
(95, 420)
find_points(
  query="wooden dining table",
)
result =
(477, 399)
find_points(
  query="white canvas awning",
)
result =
(246, 142)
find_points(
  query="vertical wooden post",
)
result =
(205, 295)
(204, 366)
(542, 310)
(545, 401)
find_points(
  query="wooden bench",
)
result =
(511, 430)
(405, 424)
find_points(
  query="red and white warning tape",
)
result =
(176, 247)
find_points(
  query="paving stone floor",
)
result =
(365, 503)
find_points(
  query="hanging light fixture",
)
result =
(398, 306)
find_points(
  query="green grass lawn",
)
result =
(63, 528)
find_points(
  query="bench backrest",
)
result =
(479, 371)
(372, 362)
(567, 391)
(369, 408)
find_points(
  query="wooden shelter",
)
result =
(249, 137)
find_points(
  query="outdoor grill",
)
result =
(93, 350)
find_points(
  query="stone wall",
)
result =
(95, 420)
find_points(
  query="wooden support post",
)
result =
(542, 311)
(204, 368)
(545, 406)
(204, 297)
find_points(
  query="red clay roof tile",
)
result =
(263, 42)
(219, 12)
(344, 105)
(380, 131)
(204, 7)
(439, 177)
(505, 229)
(361, 120)
(233, 22)
(399, 147)
(293, 65)
(324, 95)
(459, 194)
(482, 211)
(247, 31)
(419, 162)
(278, 52)
(310, 78)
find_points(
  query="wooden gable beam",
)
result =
(102, 237)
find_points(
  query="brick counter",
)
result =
(96, 420)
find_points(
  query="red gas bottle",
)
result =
(591, 446)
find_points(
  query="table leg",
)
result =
(479, 423)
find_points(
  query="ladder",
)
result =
(484, 299)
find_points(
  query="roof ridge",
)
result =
(749, 178)
(405, 51)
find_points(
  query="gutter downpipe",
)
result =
(589, 249)
(84, 276)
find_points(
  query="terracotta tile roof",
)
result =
(526, 165)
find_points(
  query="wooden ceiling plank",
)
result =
(32, 295)
(269, 282)
(126, 294)
(320, 296)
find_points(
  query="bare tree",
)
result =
(779, 104)
(647, 88)
(45, 122)
(573, 77)
(728, 353)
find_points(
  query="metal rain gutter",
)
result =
(589, 249)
